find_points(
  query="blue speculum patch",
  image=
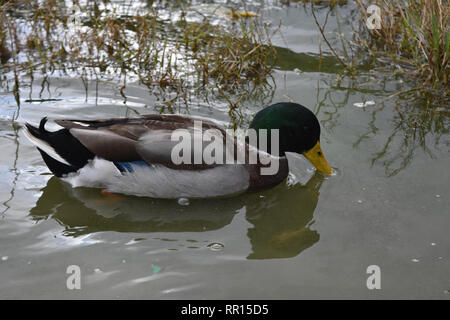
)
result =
(128, 166)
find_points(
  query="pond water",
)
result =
(388, 204)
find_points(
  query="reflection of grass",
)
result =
(179, 57)
(305, 62)
(401, 136)
(413, 129)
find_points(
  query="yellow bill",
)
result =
(316, 157)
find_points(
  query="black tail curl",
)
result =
(65, 145)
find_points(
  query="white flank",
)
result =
(158, 181)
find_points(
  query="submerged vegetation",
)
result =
(226, 53)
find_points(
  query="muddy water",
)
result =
(387, 205)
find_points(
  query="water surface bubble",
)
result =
(335, 172)
(183, 201)
(5, 258)
(216, 246)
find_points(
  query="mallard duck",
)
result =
(135, 155)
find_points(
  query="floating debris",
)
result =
(242, 14)
(415, 260)
(156, 269)
(364, 104)
(97, 270)
(4, 258)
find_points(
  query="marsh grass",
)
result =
(412, 42)
(415, 33)
(174, 59)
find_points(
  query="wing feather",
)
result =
(146, 138)
(107, 145)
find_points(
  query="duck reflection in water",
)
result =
(281, 217)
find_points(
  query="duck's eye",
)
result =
(319, 153)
